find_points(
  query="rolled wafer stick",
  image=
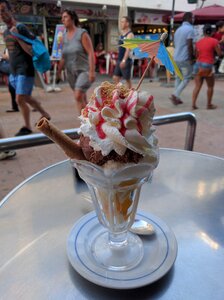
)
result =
(71, 149)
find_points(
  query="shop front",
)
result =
(42, 17)
(101, 21)
(150, 23)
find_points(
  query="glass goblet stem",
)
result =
(117, 240)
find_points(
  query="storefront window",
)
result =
(34, 23)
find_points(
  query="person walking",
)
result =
(77, 58)
(124, 62)
(21, 66)
(219, 35)
(5, 69)
(183, 55)
(100, 60)
(14, 104)
(206, 48)
(7, 153)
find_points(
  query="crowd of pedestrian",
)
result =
(79, 61)
(197, 60)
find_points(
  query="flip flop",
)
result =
(179, 101)
(175, 100)
(211, 106)
(11, 110)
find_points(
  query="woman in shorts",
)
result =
(206, 48)
(77, 58)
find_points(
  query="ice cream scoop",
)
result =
(139, 226)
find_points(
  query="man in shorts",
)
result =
(183, 56)
(124, 62)
(21, 65)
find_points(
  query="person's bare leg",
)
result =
(24, 108)
(210, 84)
(151, 73)
(168, 77)
(85, 98)
(36, 104)
(6, 153)
(2, 135)
(198, 84)
(128, 83)
(80, 98)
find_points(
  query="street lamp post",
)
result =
(172, 23)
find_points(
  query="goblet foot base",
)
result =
(119, 256)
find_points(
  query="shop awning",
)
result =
(207, 14)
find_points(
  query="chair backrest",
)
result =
(39, 139)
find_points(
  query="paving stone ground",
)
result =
(209, 134)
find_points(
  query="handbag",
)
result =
(4, 67)
(221, 66)
(205, 72)
(35, 48)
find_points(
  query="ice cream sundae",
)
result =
(116, 153)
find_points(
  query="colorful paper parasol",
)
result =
(155, 50)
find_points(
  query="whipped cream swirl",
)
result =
(119, 122)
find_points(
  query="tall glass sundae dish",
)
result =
(117, 153)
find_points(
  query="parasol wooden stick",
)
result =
(146, 69)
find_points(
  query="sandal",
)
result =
(175, 100)
(211, 106)
(194, 107)
(23, 131)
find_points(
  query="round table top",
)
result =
(186, 192)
